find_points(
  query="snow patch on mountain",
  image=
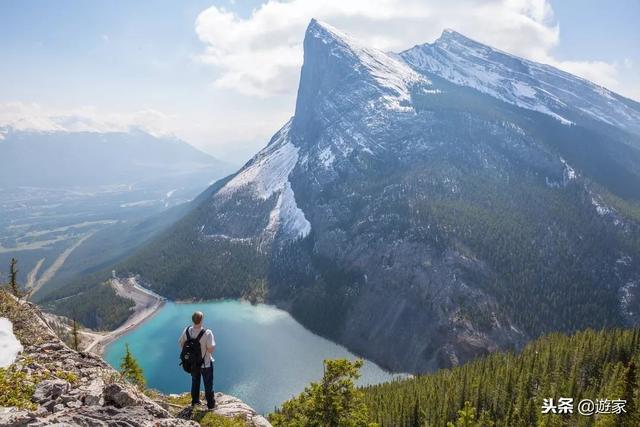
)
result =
(326, 157)
(569, 172)
(627, 294)
(267, 174)
(520, 82)
(269, 170)
(600, 207)
(462, 69)
(9, 344)
(287, 217)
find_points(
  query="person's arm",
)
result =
(211, 343)
(182, 339)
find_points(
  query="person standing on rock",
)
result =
(207, 346)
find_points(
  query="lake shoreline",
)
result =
(147, 305)
(137, 319)
(264, 356)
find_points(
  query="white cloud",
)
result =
(24, 116)
(229, 139)
(261, 54)
(603, 73)
(628, 63)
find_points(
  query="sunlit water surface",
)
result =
(263, 356)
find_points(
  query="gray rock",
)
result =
(51, 346)
(260, 421)
(232, 407)
(10, 417)
(88, 402)
(67, 398)
(120, 396)
(91, 394)
(49, 404)
(109, 416)
(50, 390)
(40, 412)
(74, 404)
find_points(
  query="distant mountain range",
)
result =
(74, 202)
(426, 207)
(83, 159)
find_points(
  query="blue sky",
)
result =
(201, 69)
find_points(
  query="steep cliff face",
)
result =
(427, 207)
(52, 384)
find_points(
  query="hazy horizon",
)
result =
(189, 68)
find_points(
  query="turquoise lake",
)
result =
(263, 356)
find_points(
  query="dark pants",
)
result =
(207, 376)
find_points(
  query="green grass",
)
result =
(209, 419)
(17, 388)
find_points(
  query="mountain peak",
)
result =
(452, 36)
(450, 32)
(328, 34)
(330, 55)
(521, 82)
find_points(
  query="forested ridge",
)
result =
(508, 389)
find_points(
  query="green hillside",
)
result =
(508, 389)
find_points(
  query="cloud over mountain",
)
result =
(24, 116)
(261, 54)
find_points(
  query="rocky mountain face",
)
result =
(66, 387)
(427, 207)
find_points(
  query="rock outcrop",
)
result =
(78, 388)
(231, 407)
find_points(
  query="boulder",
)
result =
(232, 407)
(91, 393)
(260, 421)
(11, 417)
(50, 390)
(120, 396)
(109, 416)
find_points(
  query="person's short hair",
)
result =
(197, 317)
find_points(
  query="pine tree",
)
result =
(466, 417)
(130, 369)
(333, 402)
(416, 420)
(631, 417)
(507, 389)
(13, 278)
(75, 335)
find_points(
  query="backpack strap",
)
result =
(186, 331)
(202, 332)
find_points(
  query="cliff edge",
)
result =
(49, 383)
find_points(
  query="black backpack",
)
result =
(191, 355)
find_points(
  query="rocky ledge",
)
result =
(56, 385)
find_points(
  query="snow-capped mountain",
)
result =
(523, 83)
(426, 207)
(268, 174)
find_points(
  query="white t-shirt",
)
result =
(207, 340)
